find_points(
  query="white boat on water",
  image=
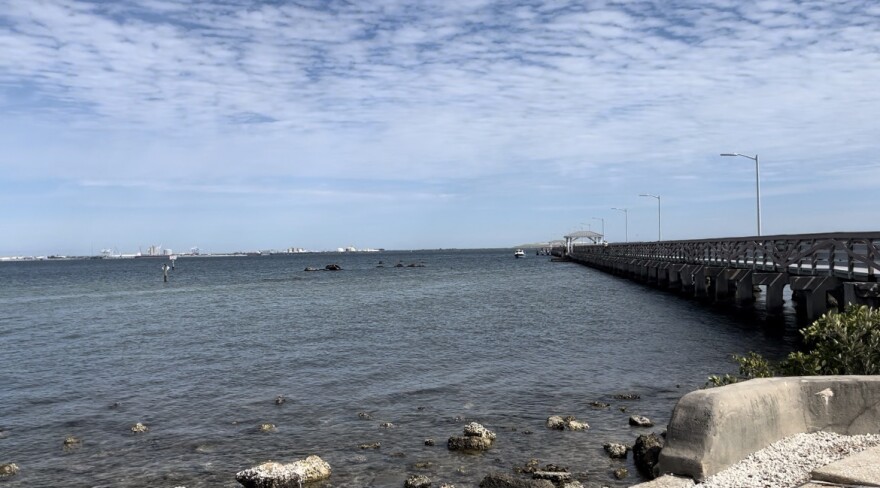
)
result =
(519, 253)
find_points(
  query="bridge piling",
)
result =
(745, 290)
(775, 286)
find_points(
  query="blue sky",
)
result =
(237, 125)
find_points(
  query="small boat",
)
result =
(519, 253)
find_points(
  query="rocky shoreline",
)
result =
(473, 438)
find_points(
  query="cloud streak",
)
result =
(457, 91)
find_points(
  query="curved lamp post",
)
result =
(757, 182)
(626, 220)
(658, 212)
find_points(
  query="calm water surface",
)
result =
(472, 335)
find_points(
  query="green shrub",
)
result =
(840, 343)
(754, 365)
(837, 343)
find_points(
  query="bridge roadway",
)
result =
(845, 266)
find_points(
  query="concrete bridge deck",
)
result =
(845, 266)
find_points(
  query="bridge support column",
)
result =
(775, 283)
(644, 271)
(633, 269)
(663, 274)
(714, 276)
(652, 269)
(686, 275)
(862, 294)
(700, 288)
(742, 281)
(673, 276)
(816, 290)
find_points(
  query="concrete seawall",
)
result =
(715, 428)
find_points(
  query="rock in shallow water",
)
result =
(139, 428)
(468, 443)
(503, 480)
(616, 450)
(557, 422)
(640, 421)
(277, 475)
(8, 469)
(554, 476)
(475, 438)
(417, 481)
(646, 450)
(474, 429)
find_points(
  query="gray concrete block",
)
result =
(715, 428)
(666, 482)
(861, 469)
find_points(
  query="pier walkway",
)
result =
(815, 267)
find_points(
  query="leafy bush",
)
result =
(838, 344)
(841, 343)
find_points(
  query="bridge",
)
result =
(815, 267)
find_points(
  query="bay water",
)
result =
(90, 347)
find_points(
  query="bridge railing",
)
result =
(854, 256)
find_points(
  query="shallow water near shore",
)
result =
(471, 336)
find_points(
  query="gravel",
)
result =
(788, 463)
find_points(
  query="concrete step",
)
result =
(862, 469)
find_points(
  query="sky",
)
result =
(243, 125)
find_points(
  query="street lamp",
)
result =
(757, 182)
(603, 226)
(625, 221)
(658, 212)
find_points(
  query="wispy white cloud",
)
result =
(457, 91)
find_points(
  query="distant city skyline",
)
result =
(242, 125)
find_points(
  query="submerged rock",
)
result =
(8, 469)
(503, 480)
(555, 476)
(621, 473)
(279, 400)
(333, 267)
(374, 445)
(277, 475)
(429, 442)
(627, 396)
(267, 428)
(530, 467)
(139, 428)
(598, 404)
(71, 442)
(365, 416)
